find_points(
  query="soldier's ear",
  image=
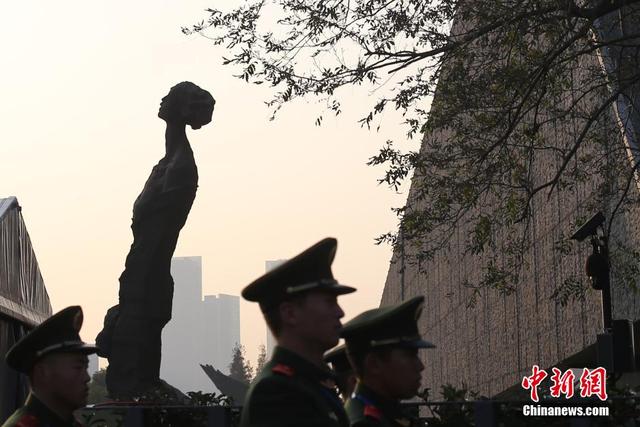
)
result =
(289, 313)
(375, 363)
(39, 373)
(371, 364)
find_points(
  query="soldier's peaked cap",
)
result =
(59, 333)
(395, 325)
(307, 271)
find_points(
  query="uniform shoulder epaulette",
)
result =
(283, 369)
(373, 412)
(28, 421)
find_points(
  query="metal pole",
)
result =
(402, 264)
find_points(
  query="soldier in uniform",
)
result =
(382, 345)
(345, 376)
(299, 302)
(55, 359)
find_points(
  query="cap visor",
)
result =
(416, 344)
(88, 348)
(341, 289)
(74, 348)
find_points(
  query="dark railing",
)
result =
(160, 416)
(623, 411)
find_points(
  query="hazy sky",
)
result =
(81, 85)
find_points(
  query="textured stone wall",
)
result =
(490, 345)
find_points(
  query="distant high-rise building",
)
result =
(271, 341)
(94, 365)
(222, 329)
(182, 336)
(200, 332)
(270, 265)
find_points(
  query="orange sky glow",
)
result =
(81, 85)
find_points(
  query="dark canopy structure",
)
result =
(24, 302)
(228, 386)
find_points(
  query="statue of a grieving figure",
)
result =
(131, 337)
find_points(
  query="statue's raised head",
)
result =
(187, 103)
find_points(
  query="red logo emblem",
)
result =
(562, 383)
(532, 382)
(594, 382)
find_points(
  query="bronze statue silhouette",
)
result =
(131, 336)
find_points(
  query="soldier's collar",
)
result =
(43, 412)
(301, 366)
(391, 408)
